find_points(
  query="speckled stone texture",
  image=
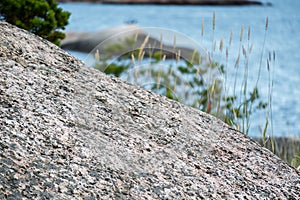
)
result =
(71, 132)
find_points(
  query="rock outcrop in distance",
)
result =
(175, 2)
(71, 132)
(121, 40)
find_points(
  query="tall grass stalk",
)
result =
(226, 67)
(246, 106)
(262, 50)
(238, 105)
(238, 60)
(269, 116)
(264, 131)
(244, 88)
(211, 63)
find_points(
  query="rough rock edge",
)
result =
(68, 131)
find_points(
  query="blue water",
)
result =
(282, 37)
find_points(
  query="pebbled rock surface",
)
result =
(71, 132)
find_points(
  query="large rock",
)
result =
(71, 132)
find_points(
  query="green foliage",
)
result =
(114, 69)
(41, 17)
(198, 84)
(296, 161)
(185, 82)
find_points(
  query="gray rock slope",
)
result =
(71, 132)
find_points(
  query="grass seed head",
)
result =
(221, 45)
(244, 51)
(242, 32)
(230, 38)
(132, 59)
(237, 61)
(143, 46)
(97, 56)
(249, 33)
(227, 54)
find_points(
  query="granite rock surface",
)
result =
(72, 132)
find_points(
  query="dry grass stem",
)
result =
(193, 56)
(143, 54)
(241, 33)
(158, 82)
(136, 37)
(178, 56)
(202, 28)
(237, 61)
(143, 46)
(199, 59)
(221, 45)
(214, 20)
(207, 57)
(227, 53)
(174, 42)
(132, 59)
(244, 51)
(249, 33)
(97, 56)
(198, 72)
(230, 38)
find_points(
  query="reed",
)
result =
(288, 151)
(234, 107)
(240, 106)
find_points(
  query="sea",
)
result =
(271, 31)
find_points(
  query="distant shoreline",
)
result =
(174, 2)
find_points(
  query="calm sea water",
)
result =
(282, 37)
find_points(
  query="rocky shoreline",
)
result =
(71, 132)
(128, 38)
(175, 2)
